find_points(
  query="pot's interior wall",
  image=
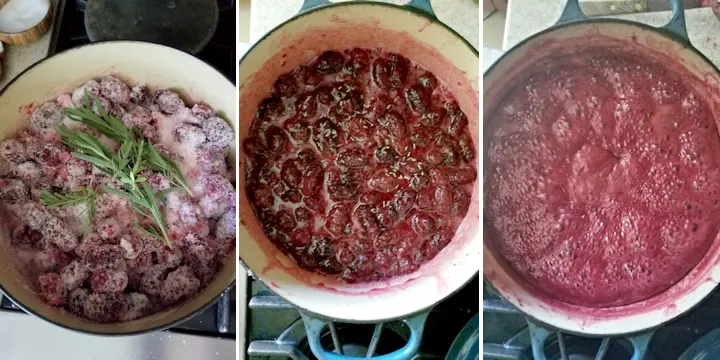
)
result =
(499, 80)
(343, 27)
(159, 67)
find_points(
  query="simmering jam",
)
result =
(360, 165)
(601, 180)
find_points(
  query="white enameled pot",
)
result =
(669, 45)
(414, 32)
(158, 66)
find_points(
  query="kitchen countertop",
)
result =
(19, 58)
(527, 17)
(25, 337)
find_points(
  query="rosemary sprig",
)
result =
(84, 194)
(105, 123)
(125, 166)
(163, 164)
(55, 199)
(110, 126)
(134, 154)
(144, 203)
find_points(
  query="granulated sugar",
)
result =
(20, 15)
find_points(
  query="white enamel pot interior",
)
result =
(345, 26)
(562, 41)
(158, 66)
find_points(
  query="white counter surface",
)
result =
(527, 17)
(25, 337)
(461, 15)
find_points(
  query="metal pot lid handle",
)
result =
(676, 25)
(539, 334)
(421, 6)
(314, 328)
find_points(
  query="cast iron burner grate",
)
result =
(217, 321)
(276, 331)
(361, 340)
(560, 346)
(501, 317)
(507, 335)
(357, 340)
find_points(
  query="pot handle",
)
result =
(676, 25)
(539, 334)
(422, 6)
(314, 328)
(311, 4)
(571, 12)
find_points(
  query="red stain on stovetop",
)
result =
(508, 283)
(366, 34)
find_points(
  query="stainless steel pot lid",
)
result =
(187, 25)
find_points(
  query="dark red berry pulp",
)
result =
(360, 165)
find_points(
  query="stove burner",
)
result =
(275, 329)
(353, 339)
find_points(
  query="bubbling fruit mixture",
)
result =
(602, 178)
(109, 271)
(360, 165)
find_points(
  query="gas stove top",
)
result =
(219, 52)
(275, 330)
(507, 335)
(219, 320)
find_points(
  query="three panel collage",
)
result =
(301, 179)
(221, 179)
